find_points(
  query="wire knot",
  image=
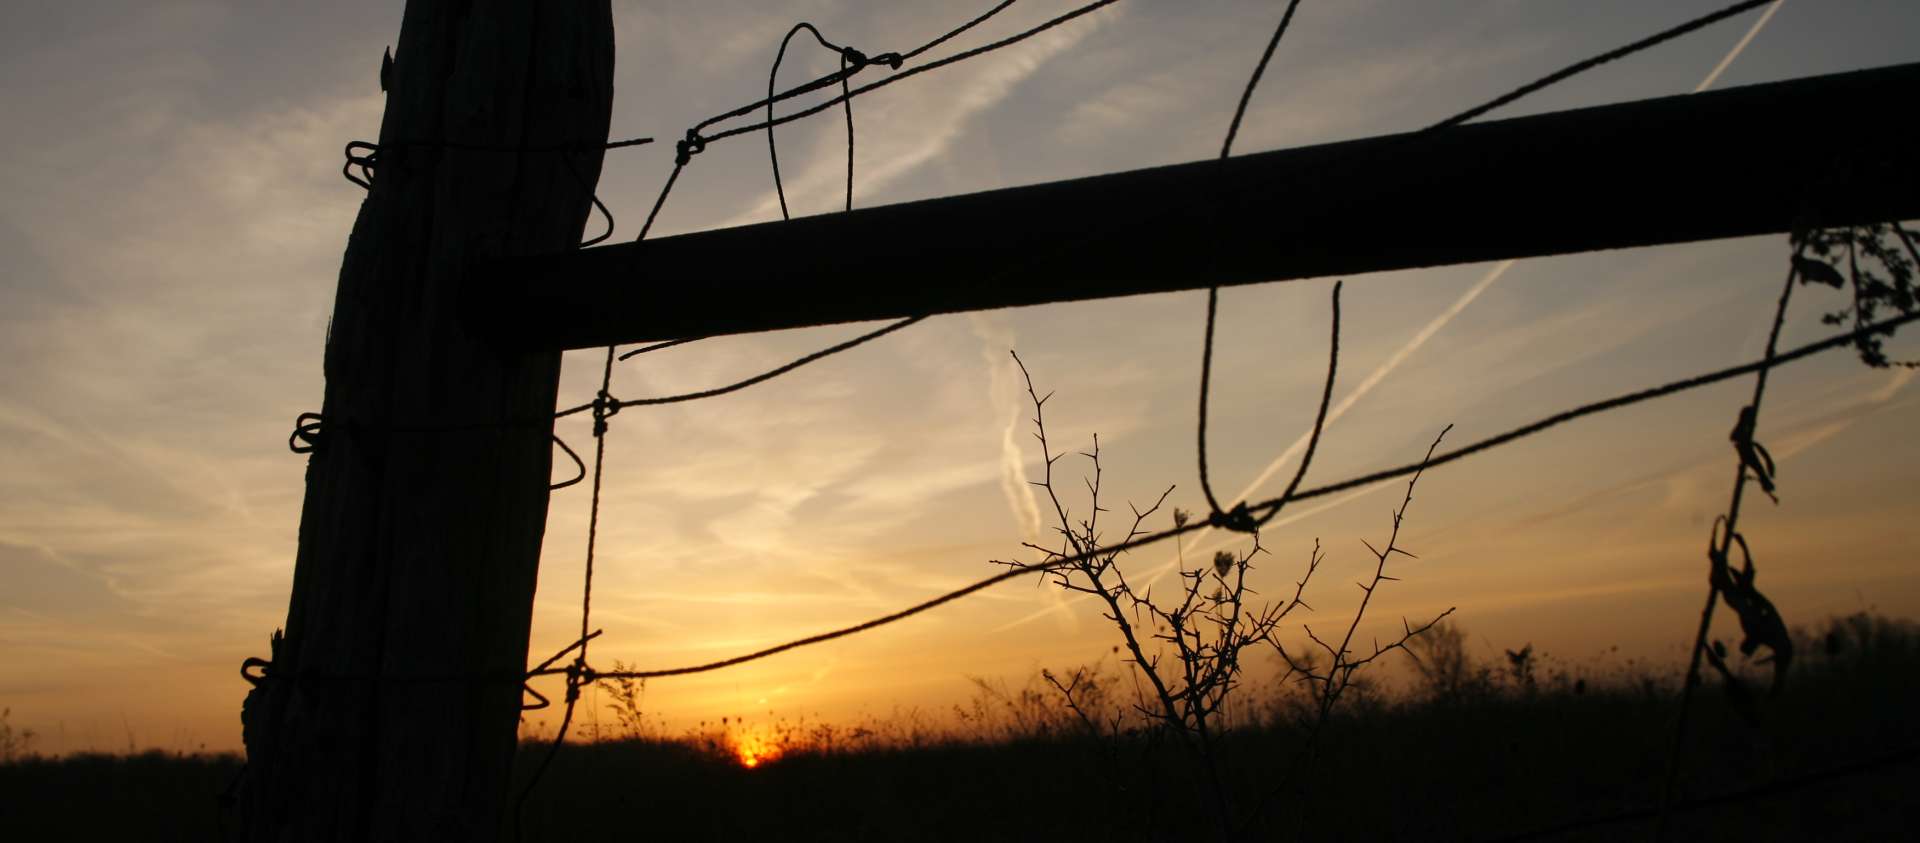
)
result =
(684, 149)
(891, 60)
(605, 406)
(1239, 519)
(307, 435)
(579, 675)
(366, 162)
(256, 662)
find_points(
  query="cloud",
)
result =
(1006, 393)
(1400, 356)
(920, 129)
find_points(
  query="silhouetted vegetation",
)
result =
(1470, 747)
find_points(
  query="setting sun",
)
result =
(752, 750)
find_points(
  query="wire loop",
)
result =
(577, 464)
(307, 435)
(366, 163)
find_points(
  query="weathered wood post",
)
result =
(390, 709)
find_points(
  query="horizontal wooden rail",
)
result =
(1754, 160)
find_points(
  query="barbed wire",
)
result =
(1279, 32)
(604, 405)
(762, 377)
(695, 142)
(1273, 504)
(1266, 508)
(1583, 66)
(1238, 519)
(773, 152)
(308, 434)
(1718, 548)
(577, 670)
(1260, 512)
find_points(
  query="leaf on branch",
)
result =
(1814, 269)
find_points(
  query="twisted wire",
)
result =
(1268, 506)
(1238, 518)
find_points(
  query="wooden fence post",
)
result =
(390, 709)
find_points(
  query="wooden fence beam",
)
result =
(1742, 161)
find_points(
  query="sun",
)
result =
(752, 750)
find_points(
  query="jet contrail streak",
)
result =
(1735, 52)
(1379, 374)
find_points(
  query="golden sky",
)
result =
(173, 217)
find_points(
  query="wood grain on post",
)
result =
(427, 496)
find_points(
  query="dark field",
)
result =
(1474, 755)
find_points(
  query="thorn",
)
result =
(386, 70)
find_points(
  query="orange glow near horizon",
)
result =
(752, 749)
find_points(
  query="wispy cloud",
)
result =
(1006, 394)
(1381, 372)
(920, 129)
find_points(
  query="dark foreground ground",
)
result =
(1480, 756)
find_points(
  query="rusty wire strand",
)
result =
(763, 377)
(1626, 399)
(773, 75)
(1522, 432)
(695, 143)
(1585, 65)
(628, 355)
(1717, 555)
(1238, 519)
(910, 72)
(577, 671)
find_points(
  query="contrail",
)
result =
(1004, 392)
(1380, 374)
(1735, 52)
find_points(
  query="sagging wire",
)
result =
(1266, 507)
(1238, 519)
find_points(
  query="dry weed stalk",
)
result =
(1329, 684)
(628, 693)
(15, 744)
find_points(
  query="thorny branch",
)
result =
(1327, 685)
(1204, 633)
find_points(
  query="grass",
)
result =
(1484, 754)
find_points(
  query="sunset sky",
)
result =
(173, 216)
